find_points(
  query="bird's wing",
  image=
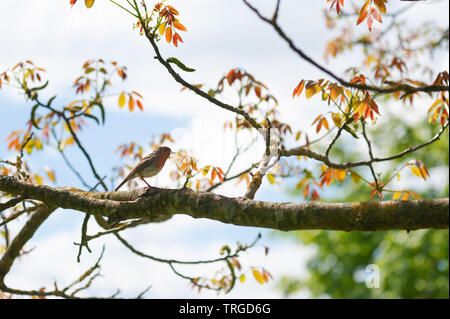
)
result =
(147, 161)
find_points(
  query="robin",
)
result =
(149, 166)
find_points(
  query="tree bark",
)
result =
(155, 203)
(13, 251)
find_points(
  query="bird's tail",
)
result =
(121, 184)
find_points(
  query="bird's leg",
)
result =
(145, 182)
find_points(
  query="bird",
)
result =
(149, 166)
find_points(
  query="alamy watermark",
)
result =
(373, 275)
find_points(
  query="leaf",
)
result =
(298, 89)
(312, 90)
(89, 3)
(355, 177)
(50, 175)
(340, 174)
(258, 91)
(172, 9)
(405, 196)
(169, 34)
(363, 13)
(416, 171)
(92, 117)
(139, 104)
(179, 64)
(376, 15)
(162, 28)
(38, 179)
(89, 70)
(396, 195)
(271, 178)
(131, 104)
(381, 6)
(176, 38)
(224, 249)
(33, 114)
(258, 276)
(102, 110)
(416, 195)
(122, 99)
(179, 26)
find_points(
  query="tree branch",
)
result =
(407, 89)
(155, 202)
(194, 89)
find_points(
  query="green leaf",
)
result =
(89, 70)
(179, 64)
(33, 114)
(92, 117)
(102, 110)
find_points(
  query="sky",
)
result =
(221, 35)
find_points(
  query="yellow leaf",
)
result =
(258, 276)
(416, 171)
(405, 196)
(89, 3)
(337, 120)
(38, 144)
(29, 146)
(50, 175)
(242, 278)
(122, 99)
(162, 28)
(205, 170)
(64, 143)
(312, 90)
(271, 178)
(355, 177)
(301, 183)
(340, 174)
(396, 195)
(38, 179)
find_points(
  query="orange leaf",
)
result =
(176, 38)
(139, 104)
(172, 9)
(131, 104)
(381, 6)
(179, 26)
(258, 91)
(363, 13)
(169, 34)
(376, 15)
(298, 89)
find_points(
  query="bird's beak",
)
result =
(172, 153)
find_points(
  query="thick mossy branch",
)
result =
(154, 203)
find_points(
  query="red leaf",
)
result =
(139, 104)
